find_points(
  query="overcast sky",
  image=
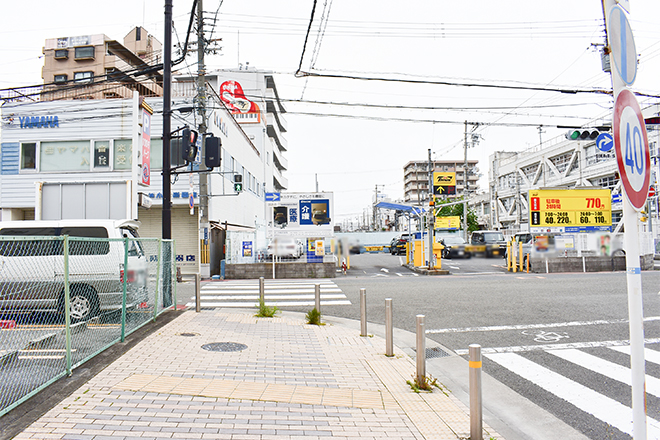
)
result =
(519, 43)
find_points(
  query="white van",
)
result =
(32, 272)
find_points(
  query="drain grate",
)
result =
(224, 346)
(436, 352)
(189, 334)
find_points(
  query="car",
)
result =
(455, 247)
(488, 243)
(32, 270)
(398, 245)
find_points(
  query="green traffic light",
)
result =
(575, 134)
(238, 187)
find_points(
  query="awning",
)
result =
(400, 207)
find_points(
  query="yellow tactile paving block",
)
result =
(220, 388)
(278, 393)
(136, 381)
(163, 384)
(191, 386)
(249, 390)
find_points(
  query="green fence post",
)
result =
(67, 306)
(123, 302)
(160, 262)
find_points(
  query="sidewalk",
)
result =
(288, 380)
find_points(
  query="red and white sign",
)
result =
(146, 148)
(631, 144)
(244, 110)
(651, 192)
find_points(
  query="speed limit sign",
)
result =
(632, 148)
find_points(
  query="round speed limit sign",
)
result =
(632, 148)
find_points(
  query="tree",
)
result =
(456, 210)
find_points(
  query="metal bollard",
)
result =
(389, 335)
(363, 312)
(421, 351)
(317, 297)
(198, 293)
(476, 425)
(262, 289)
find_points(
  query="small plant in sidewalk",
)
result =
(427, 384)
(313, 317)
(266, 311)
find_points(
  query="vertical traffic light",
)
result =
(188, 144)
(238, 182)
(212, 154)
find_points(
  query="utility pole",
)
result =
(431, 214)
(201, 108)
(167, 126)
(465, 185)
(376, 210)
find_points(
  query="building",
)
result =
(112, 69)
(65, 157)
(557, 163)
(416, 178)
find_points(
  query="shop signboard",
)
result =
(301, 215)
(570, 210)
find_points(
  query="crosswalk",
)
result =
(280, 293)
(555, 372)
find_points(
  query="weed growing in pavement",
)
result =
(313, 317)
(428, 384)
(266, 311)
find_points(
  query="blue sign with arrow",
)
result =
(272, 197)
(605, 142)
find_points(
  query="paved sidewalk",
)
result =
(291, 380)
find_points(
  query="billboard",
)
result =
(570, 210)
(243, 109)
(444, 183)
(301, 215)
(452, 222)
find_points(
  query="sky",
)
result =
(430, 57)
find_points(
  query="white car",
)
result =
(285, 247)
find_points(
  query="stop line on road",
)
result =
(280, 293)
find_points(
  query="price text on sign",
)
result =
(632, 148)
(570, 207)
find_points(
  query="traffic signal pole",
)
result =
(167, 127)
(431, 215)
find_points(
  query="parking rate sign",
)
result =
(577, 209)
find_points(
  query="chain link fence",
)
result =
(64, 300)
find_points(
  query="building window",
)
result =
(102, 155)
(123, 154)
(84, 53)
(83, 77)
(60, 78)
(61, 54)
(29, 157)
(64, 156)
(606, 182)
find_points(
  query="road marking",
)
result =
(652, 356)
(283, 304)
(399, 274)
(454, 267)
(379, 275)
(532, 326)
(606, 368)
(384, 270)
(586, 399)
(524, 348)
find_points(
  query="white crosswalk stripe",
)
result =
(602, 407)
(281, 293)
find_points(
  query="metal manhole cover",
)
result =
(224, 346)
(189, 334)
(435, 352)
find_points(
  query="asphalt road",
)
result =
(526, 317)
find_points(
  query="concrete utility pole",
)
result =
(375, 209)
(431, 215)
(201, 109)
(465, 185)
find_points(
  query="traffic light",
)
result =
(238, 182)
(188, 144)
(212, 154)
(582, 134)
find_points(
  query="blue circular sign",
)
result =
(605, 142)
(622, 45)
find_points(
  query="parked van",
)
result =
(32, 271)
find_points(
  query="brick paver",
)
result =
(293, 381)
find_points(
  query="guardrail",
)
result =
(64, 300)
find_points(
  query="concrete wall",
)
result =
(282, 270)
(586, 264)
